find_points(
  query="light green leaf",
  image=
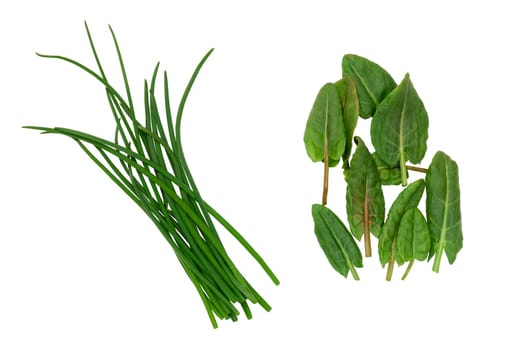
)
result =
(325, 129)
(408, 198)
(443, 209)
(399, 129)
(336, 241)
(350, 103)
(373, 82)
(413, 238)
(365, 203)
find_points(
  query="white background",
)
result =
(81, 267)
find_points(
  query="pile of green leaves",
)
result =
(147, 162)
(399, 133)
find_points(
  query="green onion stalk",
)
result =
(146, 160)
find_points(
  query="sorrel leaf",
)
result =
(443, 209)
(413, 238)
(373, 82)
(408, 198)
(325, 130)
(365, 204)
(336, 241)
(350, 104)
(399, 128)
(399, 133)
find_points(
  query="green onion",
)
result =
(146, 160)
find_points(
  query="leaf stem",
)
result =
(368, 246)
(390, 269)
(353, 271)
(415, 168)
(409, 267)
(326, 164)
(403, 169)
(325, 183)
(437, 260)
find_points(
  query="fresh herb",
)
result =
(335, 240)
(399, 132)
(146, 160)
(350, 105)
(413, 239)
(373, 82)
(408, 198)
(325, 137)
(399, 128)
(443, 209)
(365, 203)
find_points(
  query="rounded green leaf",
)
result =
(399, 129)
(373, 82)
(325, 128)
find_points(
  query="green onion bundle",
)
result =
(147, 162)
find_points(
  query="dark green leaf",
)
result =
(399, 129)
(413, 238)
(365, 203)
(443, 208)
(325, 128)
(335, 240)
(373, 82)
(350, 102)
(389, 175)
(408, 198)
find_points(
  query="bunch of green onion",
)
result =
(147, 162)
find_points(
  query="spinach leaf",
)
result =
(373, 82)
(335, 240)
(399, 128)
(365, 204)
(350, 104)
(324, 136)
(408, 198)
(443, 209)
(413, 239)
